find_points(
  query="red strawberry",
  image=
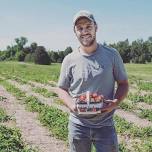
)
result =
(99, 98)
(94, 95)
(82, 97)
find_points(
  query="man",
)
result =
(94, 68)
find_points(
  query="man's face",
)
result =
(85, 31)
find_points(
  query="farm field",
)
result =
(41, 119)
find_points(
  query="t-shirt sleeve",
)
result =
(119, 68)
(64, 78)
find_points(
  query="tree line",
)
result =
(139, 51)
(32, 53)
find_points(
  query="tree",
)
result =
(20, 56)
(138, 51)
(29, 57)
(41, 56)
(150, 39)
(61, 56)
(124, 50)
(67, 51)
(21, 42)
(27, 50)
(53, 56)
(33, 46)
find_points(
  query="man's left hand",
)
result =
(109, 105)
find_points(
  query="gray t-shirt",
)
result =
(97, 72)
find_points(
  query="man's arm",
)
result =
(120, 94)
(67, 99)
(122, 90)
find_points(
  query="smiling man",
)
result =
(92, 68)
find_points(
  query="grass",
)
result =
(32, 72)
(139, 71)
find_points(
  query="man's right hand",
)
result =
(73, 107)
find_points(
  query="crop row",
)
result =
(144, 85)
(44, 92)
(57, 120)
(139, 98)
(3, 116)
(131, 106)
(10, 138)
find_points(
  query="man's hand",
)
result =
(109, 105)
(120, 94)
(73, 107)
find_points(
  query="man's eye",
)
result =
(89, 27)
(79, 28)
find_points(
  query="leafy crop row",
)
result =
(11, 141)
(57, 121)
(140, 112)
(138, 98)
(44, 92)
(145, 85)
(10, 138)
(3, 116)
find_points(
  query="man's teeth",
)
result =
(86, 36)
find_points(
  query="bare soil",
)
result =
(32, 131)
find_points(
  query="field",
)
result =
(33, 118)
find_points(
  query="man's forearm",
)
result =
(67, 99)
(121, 91)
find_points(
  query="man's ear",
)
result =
(96, 27)
(74, 29)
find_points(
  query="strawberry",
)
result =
(94, 95)
(99, 98)
(82, 97)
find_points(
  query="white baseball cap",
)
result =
(83, 13)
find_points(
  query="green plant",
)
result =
(44, 92)
(11, 141)
(2, 98)
(3, 116)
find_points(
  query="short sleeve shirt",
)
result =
(96, 72)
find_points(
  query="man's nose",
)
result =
(84, 31)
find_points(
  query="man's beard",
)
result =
(86, 42)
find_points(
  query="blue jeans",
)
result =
(82, 138)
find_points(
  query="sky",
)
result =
(49, 22)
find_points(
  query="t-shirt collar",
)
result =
(86, 54)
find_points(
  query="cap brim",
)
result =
(74, 23)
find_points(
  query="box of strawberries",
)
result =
(89, 103)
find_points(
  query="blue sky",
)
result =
(49, 22)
